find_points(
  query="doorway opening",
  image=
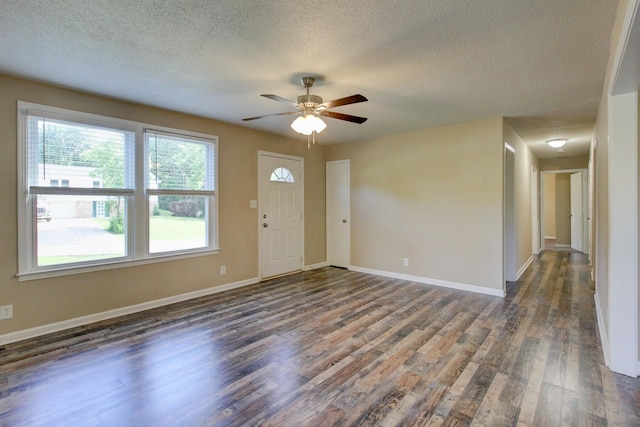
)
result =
(564, 200)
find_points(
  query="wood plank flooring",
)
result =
(333, 347)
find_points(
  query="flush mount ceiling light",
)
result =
(311, 107)
(557, 142)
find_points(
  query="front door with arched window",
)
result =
(281, 218)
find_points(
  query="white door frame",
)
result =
(585, 190)
(509, 244)
(535, 211)
(621, 343)
(260, 196)
(578, 225)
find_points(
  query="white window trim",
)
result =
(138, 254)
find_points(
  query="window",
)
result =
(180, 189)
(281, 175)
(105, 212)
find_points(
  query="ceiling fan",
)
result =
(310, 107)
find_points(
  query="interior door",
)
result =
(281, 227)
(338, 200)
(576, 211)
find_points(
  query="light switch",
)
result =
(253, 204)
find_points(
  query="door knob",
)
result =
(344, 221)
(265, 225)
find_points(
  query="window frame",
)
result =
(136, 199)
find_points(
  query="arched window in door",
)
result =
(281, 175)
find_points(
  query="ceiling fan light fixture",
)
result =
(300, 125)
(308, 124)
(318, 124)
(311, 106)
(557, 142)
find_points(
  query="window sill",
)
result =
(67, 271)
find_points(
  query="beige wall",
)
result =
(524, 160)
(564, 163)
(433, 196)
(549, 183)
(563, 209)
(42, 302)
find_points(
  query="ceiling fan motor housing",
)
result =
(309, 101)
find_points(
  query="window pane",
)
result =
(281, 175)
(80, 228)
(177, 223)
(77, 155)
(178, 163)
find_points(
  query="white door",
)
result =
(281, 237)
(576, 211)
(338, 199)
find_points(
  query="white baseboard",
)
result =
(435, 282)
(524, 267)
(84, 320)
(561, 245)
(604, 338)
(550, 237)
(314, 266)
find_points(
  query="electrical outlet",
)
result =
(6, 311)
(223, 270)
(405, 262)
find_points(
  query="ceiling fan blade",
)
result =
(353, 99)
(340, 116)
(280, 99)
(286, 113)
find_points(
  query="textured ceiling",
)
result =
(421, 63)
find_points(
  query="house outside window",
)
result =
(104, 213)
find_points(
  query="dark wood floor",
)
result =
(551, 245)
(333, 347)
